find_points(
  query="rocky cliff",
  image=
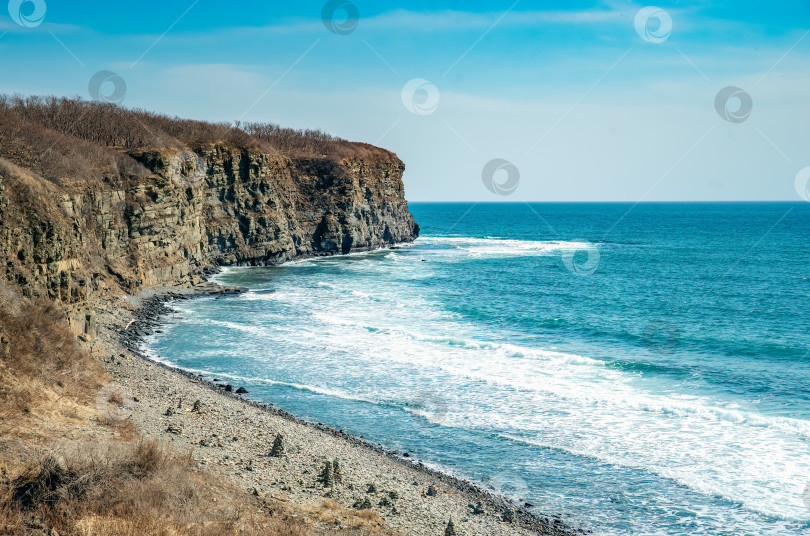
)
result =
(178, 211)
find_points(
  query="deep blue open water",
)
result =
(639, 370)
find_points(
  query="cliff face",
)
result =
(222, 205)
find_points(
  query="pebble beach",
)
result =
(231, 435)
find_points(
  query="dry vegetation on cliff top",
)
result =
(67, 469)
(62, 139)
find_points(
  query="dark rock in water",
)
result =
(241, 391)
(229, 388)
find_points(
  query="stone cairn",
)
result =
(278, 447)
(327, 476)
(450, 530)
(364, 504)
(509, 515)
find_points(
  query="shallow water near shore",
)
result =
(638, 370)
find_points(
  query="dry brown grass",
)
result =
(41, 361)
(144, 489)
(67, 140)
(359, 522)
(107, 480)
(132, 489)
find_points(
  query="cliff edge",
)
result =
(100, 200)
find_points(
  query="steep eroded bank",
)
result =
(87, 212)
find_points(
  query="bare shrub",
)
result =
(41, 352)
(135, 489)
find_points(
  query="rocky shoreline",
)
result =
(187, 409)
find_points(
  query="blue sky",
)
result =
(571, 93)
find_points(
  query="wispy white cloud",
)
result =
(46, 27)
(450, 20)
(455, 20)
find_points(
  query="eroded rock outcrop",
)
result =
(247, 207)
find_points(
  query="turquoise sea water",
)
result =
(639, 370)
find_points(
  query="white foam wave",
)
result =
(380, 346)
(502, 247)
